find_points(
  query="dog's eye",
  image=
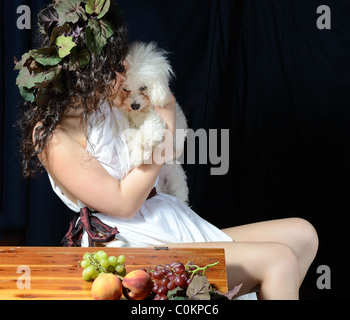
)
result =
(125, 90)
(143, 88)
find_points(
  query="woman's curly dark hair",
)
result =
(84, 89)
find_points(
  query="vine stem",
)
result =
(204, 269)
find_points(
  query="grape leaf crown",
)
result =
(76, 30)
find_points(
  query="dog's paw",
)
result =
(136, 156)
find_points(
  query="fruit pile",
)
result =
(173, 281)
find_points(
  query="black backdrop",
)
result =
(260, 68)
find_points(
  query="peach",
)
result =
(137, 285)
(107, 286)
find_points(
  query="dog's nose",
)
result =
(135, 106)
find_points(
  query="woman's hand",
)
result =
(168, 114)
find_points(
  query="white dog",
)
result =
(146, 85)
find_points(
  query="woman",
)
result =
(71, 128)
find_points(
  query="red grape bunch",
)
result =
(172, 276)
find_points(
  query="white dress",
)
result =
(161, 219)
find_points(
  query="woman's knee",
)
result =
(306, 235)
(284, 263)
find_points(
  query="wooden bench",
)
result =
(55, 273)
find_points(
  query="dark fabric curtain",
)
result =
(260, 68)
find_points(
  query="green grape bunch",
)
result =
(99, 262)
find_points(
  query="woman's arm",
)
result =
(80, 175)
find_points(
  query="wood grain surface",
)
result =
(55, 273)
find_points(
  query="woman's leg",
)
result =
(296, 233)
(272, 268)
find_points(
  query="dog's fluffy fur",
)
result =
(147, 85)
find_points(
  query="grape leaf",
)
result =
(216, 295)
(198, 288)
(94, 6)
(91, 41)
(65, 45)
(106, 30)
(97, 34)
(47, 18)
(43, 79)
(19, 64)
(105, 9)
(46, 56)
(25, 79)
(27, 94)
(69, 11)
(79, 59)
(28, 80)
(232, 293)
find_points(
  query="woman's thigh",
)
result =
(294, 232)
(246, 263)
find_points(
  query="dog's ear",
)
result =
(152, 69)
(159, 93)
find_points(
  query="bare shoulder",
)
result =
(66, 137)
